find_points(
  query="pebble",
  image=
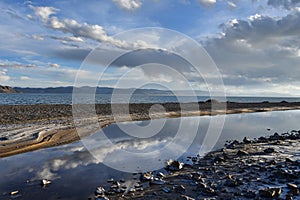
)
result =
(269, 150)
(14, 192)
(242, 153)
(174, 165)
(292, 186)
(45, 182)
(166, 190)
(270, 192)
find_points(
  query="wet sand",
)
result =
(30, 127)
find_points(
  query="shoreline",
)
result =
(263, 168)
(32, 127)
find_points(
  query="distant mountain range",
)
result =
(100, 90)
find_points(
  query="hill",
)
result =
(7, 89)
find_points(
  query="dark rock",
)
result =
(209, 191)
(110, 180)
(292, 186)
(102, 198)
(231, 183)
(269, 150)
(174, 165)
(179, 189)
(270, 192)
(146, 177)
(249, 194)
(122, 181)
(242, 153)
(3, 138)
(219, 159)
(202, 185)
(184, 197)
(45, 182)
(166, 190)
(288, 160)
(158, 182)
(246, 140)
(100, 191)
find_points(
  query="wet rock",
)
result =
(179, 189)
(45, 182)
(249, 194)
(158, 182)
(194, 159)
(231, 183)
(122, 181)
(146, 177)
(14, 192)
(275, 136)
(262, 139)
(3, 138)
(270, 192)
(232, 144)
(102, 198)
(110, 180)
(219, 159)
(166, 190)
(115, 185)
(269, 150)
(100, 191)
(288, 160)
(184, 197)
(246, 140)
(160, 175)
(202, 185)
(292, 186)
(174, 165)
(209, 191)
(289, 197)
(242, 153)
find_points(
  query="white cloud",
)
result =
(208, 2)
(258, 52)
(24, 78)
(80, 30)
(44, 12)
(231, 4)
(37, 37)
(54, 65)
(128, 4)
(287, 4)
(3, 76)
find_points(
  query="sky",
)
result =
(255, 44)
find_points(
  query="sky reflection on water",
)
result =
(76, 173)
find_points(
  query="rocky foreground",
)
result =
(264, 168)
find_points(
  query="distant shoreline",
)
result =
(31, 127)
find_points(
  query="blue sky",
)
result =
(255, 44)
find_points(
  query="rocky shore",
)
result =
(263, 168)
(30, 127)
(21, 114)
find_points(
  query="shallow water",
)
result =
(75, 173)
(23, 99)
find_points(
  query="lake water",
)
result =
(75, 173)
(19, 99)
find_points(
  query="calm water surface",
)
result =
(20, 99)
(75, 173)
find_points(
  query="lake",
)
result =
(75, 173)
(22, 99)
